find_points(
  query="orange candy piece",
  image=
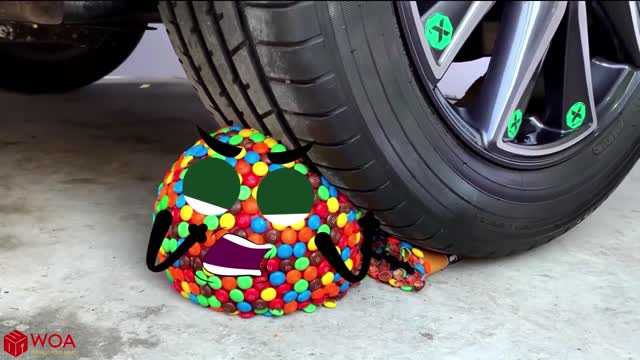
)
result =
(289, 236)
(194, 250)
(318, 294)
(290, 307)
(310, 273)
(178, 274)
(261, 148)
(243, 167)
(332, 289)
(228, 283)
(352, 240)
(305, 234)
(293, 276)
(195, 289)
(250, 206)
(256, 238)
(197, 218)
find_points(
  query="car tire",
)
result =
(337, 74)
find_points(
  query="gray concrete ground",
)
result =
(78, 175)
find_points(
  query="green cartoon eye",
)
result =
(211, 186)
(285, 197)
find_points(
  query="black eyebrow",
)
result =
(218, 146)
(288, 156)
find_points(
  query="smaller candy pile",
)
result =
(403, 265)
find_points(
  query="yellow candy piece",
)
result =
(240, 177)
(338, 250)
(186, 161)
(329, 303)
(185, 287)
(243, 152)
(333, 204)
(289, 165)
(278, 227)
(299, 225)
(227, 221)
(417, 252)
(392, 282)
(184, 294)
(268, 294)
(349, 263)
(311, 245)
(168, 179)
(270, 142)
(327, 278)
(210, 152)
(342, 219)
(260, 168)
(186, 212)
(245, 133)
(254, 193)
(206, 272)
(162, 252)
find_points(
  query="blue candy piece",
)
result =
(344, 286)
(236, 128)
(180, 241)
(231, 161)
(251, 157)
(258, 225)
(346, 253)
(289, 296)
(333, 192)
(200, 151)
(224, 139)
(405, 244)
(274, 167)
(299, 249)
(193, 298)
(351, 216)
(304, 296)
(324, 181)
(419, 268)
(277, 278)
(176, 264)
(285, 251)
(336, 277)
(177, 188)
(268, 314)
(314, 222)
(180, 201)
(244, 306)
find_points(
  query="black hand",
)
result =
(369, 226)
(197, 233)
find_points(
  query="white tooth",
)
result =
(239, 240)
(286, 219)
(225, 271)
(204, 207)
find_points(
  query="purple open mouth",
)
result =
(233, 255)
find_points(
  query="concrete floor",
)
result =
(79, 172)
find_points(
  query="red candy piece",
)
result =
(303, 305)
(324, 267)
(188, 275)
(321, 209)
(251, 295)
(251, 180)
(247, 315)
(177, 285)
(273, 265)
(276, 304)
(283, 289)
(243, 220)
(222, 295)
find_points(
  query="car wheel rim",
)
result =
(538, 45)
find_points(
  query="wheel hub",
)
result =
(544, 91)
